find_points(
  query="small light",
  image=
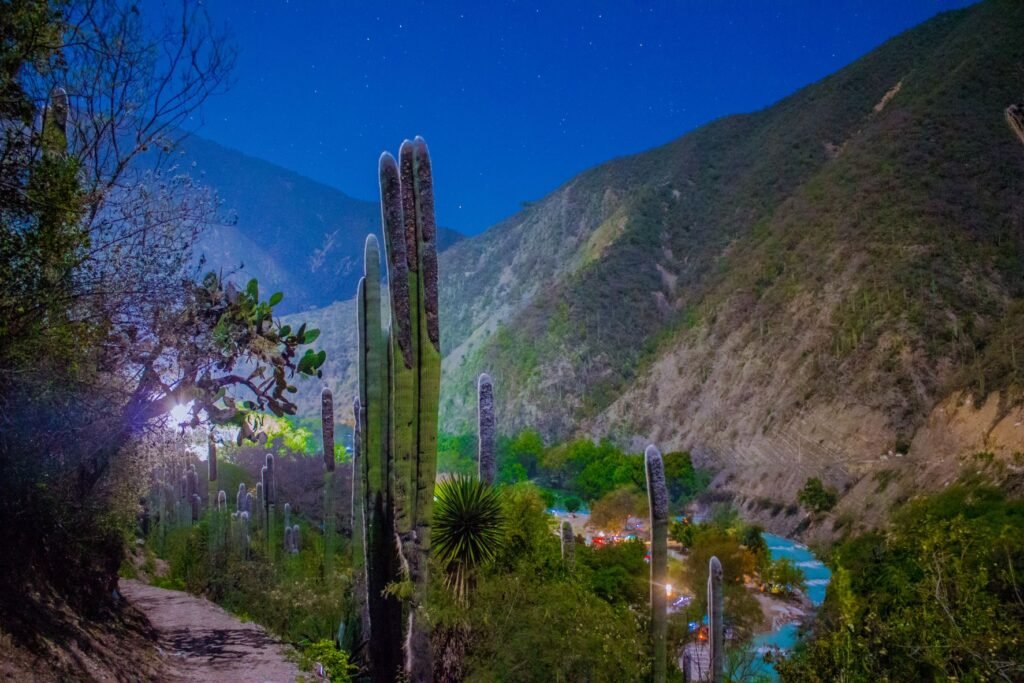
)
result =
(668, 589)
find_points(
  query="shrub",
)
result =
(335, 662)
(816, 497)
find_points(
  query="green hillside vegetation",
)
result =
(907, 217)
(934, 596)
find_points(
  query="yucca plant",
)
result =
(468, 529)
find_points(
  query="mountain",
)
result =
(831, 287)
(293, 234)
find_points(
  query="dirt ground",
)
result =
(199, 641)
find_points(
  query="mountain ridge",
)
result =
(292, 233)
(819, 288)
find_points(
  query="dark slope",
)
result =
(292, 233)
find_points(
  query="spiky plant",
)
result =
(222, 501)
(657, 495)
(240, 498)
(288, 539)
(468, 529)
(296, 535)
(485, 429)
(196, 503)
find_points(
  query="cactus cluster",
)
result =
(399, 381)
(657, 495)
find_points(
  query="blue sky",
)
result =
(514, 98)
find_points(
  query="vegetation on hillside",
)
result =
(818, 240)
(936, 595)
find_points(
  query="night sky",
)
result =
(515, 98)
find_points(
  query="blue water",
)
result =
(816, 575)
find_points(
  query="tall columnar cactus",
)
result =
(485, 429)
(248, 504)
(269, 501)
(657, 496)
(399, 381)
(240, 498)
(195, 507)
(269, 485)
(568, 545)
(222, 501)
(211, 458)
(327, 427)
(330, 500)
(288, 527)
(357, 629)
(296, 535)
(716, 620)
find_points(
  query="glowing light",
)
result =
(668, 589)
(181, 413)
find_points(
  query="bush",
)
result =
(573, 504)
(816, 497)
(335, 662)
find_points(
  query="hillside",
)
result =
(291, 233)
(827, 287)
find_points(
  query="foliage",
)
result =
(468, 528)
(335, 662)
(617, 573)
(586, 469)
(612, 510)
(782, 572)
(529, 618)
(572, 504)
(456, 453)
(288, 595)
(816, 497)
(936, 596)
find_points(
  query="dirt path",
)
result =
(202, 642)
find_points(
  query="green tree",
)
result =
(816, 497)
(612, 510)
(936, 596)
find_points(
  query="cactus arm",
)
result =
(658, 499)
(716, 615)
(429, 385)
(403, 371)
(485, 429)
